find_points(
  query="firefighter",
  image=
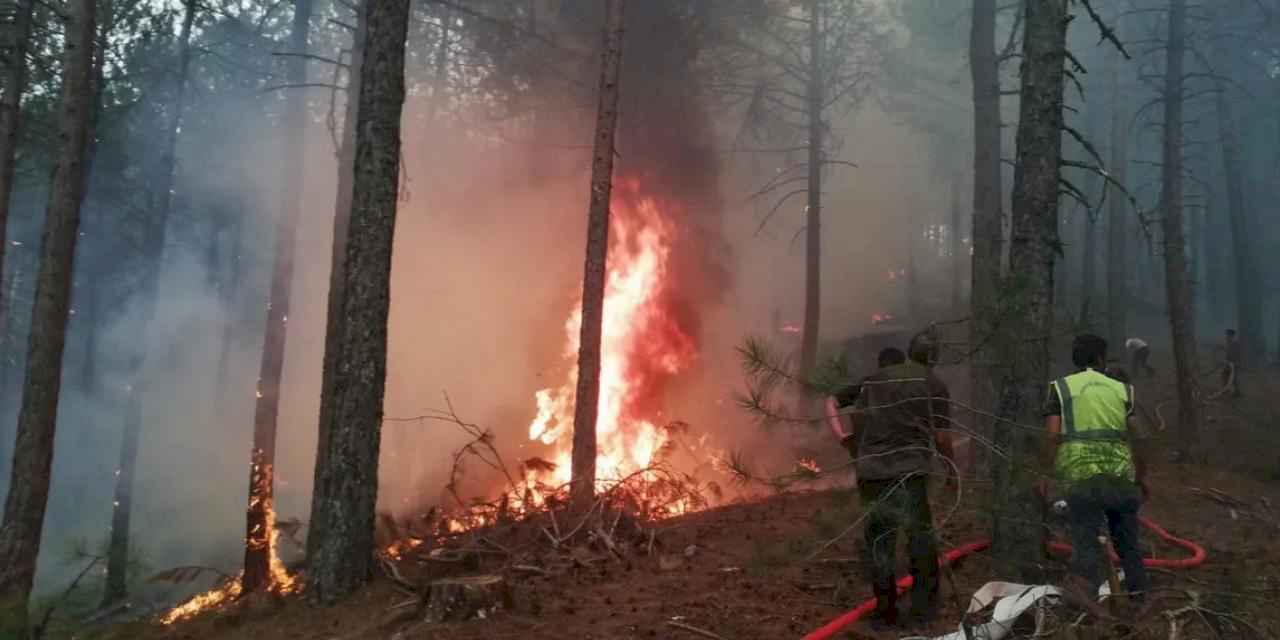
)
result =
(899, 412)
(1234, 359)
(1139, 353)
(1094, 449)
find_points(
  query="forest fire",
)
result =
(642, 346)
(281, 583)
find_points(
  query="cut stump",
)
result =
(457, 599)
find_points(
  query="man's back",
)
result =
(902, 406)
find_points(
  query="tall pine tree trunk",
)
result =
(1247, 301)
(1117, 228)
(340, 539)
(585, 411)
(38, 418)
(813, 211)
(1177, 276)
(13, 75)
(1017, 533)
(988, 219)
(260, 516)
(956, 249)
(342, 212)
(1089, 250)
(161, 206)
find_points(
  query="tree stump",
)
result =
(464, 598)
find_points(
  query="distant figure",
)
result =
(1139, 353)
(1095, 449)
(902, 409)
(1235, 359)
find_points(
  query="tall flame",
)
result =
(642, 345)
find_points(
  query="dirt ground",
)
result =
(748, 575)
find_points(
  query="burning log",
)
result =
(465, 598)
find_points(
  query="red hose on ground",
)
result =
(1197, 558)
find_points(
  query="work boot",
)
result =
(886, 611)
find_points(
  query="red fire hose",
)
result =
(904, 583)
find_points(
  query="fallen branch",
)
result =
(694, 630)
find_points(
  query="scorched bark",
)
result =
(259, 514)
(587, 398)
(340, 541)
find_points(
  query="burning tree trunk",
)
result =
(586, 400)
(260, 519)
(1177, 278)
(1117, 229)
(37, 420)
(813, 210)
(1025, 339)
(1247, 306)
(340, 540)
(988, 225)
(122, 506)
(13, 76)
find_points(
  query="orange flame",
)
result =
(281, 582)
(641, 345)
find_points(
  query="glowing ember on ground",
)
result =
(642, 346)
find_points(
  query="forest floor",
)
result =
(749, 575)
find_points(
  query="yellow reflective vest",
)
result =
(1095, 434)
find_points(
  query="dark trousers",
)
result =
(897, 505)
(1231, 374)
(1140, 365)
(1089, 504)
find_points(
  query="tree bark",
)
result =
(587, 399)
(260, 514)
(1248, 308)
(28, 496)
(957, 246)
(13, 74)
(813, 211)
(988, 217)
(340, 541)
(1017, 532)
(1089, 257)
(1117, 224)
(1177, 277)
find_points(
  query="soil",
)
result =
(742, 571)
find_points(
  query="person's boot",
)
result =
(924, 609)
(885, 614)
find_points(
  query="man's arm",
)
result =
(1053, 436)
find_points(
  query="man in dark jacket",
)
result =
(898, 416)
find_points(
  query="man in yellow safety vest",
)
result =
(1095, 447)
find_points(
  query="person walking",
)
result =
(899, 414)
(1139, 354)
(1234, 362)
(1095, 449)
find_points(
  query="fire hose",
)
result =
(1196, 559)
